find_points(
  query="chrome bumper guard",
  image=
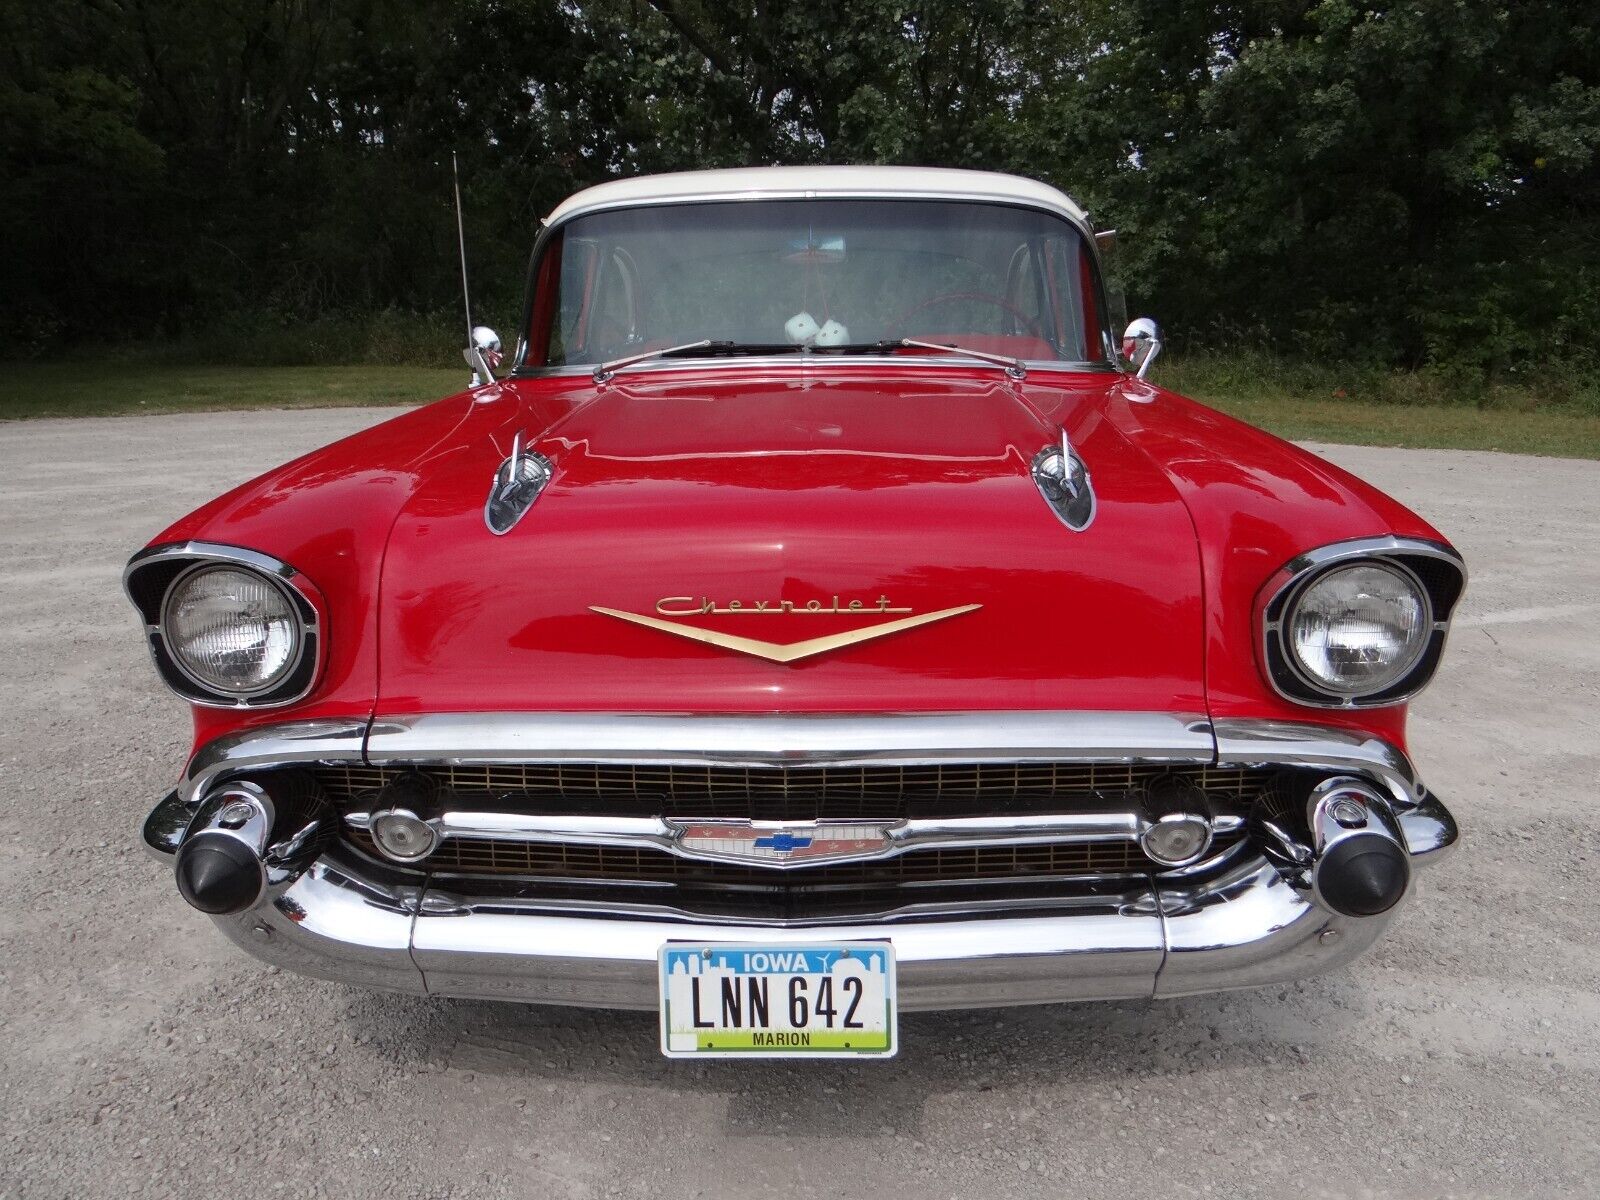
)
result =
(341, 919)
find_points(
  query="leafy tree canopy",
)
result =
(1400, 182)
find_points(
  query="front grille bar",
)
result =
(636, 866)
(662, 836)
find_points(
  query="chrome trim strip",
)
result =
(1256, 743)
(1370, 547)
(188, 551)
(293, 743)
(899, 837)
(477, 739)
(480, 739)
(1293, 574)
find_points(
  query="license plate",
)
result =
(732, 999)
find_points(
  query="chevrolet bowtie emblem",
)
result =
(806, 844)
(789, 652)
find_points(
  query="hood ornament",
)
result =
(1063, 481)
(517, 484)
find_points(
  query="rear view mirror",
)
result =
(1141, 343)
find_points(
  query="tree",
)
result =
(1404, 182)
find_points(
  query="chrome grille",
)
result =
(800, 793)
(795, 793)
(571, 862)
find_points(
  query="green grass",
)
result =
(108, 388)
(1554, 412)
(1299, 404)
(1557, 433)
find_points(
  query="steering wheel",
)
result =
(893, 326)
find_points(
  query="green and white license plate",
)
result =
(731, 999)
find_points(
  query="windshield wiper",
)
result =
(708, 348)
(1015, 367)
(705, 348)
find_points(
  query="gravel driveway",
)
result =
(144, 1055)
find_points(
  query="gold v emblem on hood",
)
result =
(793, 651)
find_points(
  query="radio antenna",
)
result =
(483, 347)
(461, 240)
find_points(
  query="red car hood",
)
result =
(797, 508)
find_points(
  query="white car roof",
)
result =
(788, 182)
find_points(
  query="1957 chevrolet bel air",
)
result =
(823, 616)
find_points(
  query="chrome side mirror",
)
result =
(483, 354)
(1141, 343)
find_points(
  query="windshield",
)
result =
(771, 276)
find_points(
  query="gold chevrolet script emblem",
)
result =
(780, 652)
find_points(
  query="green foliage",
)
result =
(1245, 376)
(1407, 185)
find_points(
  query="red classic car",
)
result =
(820, 619)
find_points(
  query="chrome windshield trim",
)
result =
(477, 739)
(810, 361)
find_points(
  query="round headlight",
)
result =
(231, 630)
(1358, 630)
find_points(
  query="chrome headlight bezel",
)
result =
(151, 580)
(1432, 568)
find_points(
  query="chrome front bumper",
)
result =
(343, 919)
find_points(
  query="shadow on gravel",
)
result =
(1097, 1046)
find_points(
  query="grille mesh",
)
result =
(798, 793)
